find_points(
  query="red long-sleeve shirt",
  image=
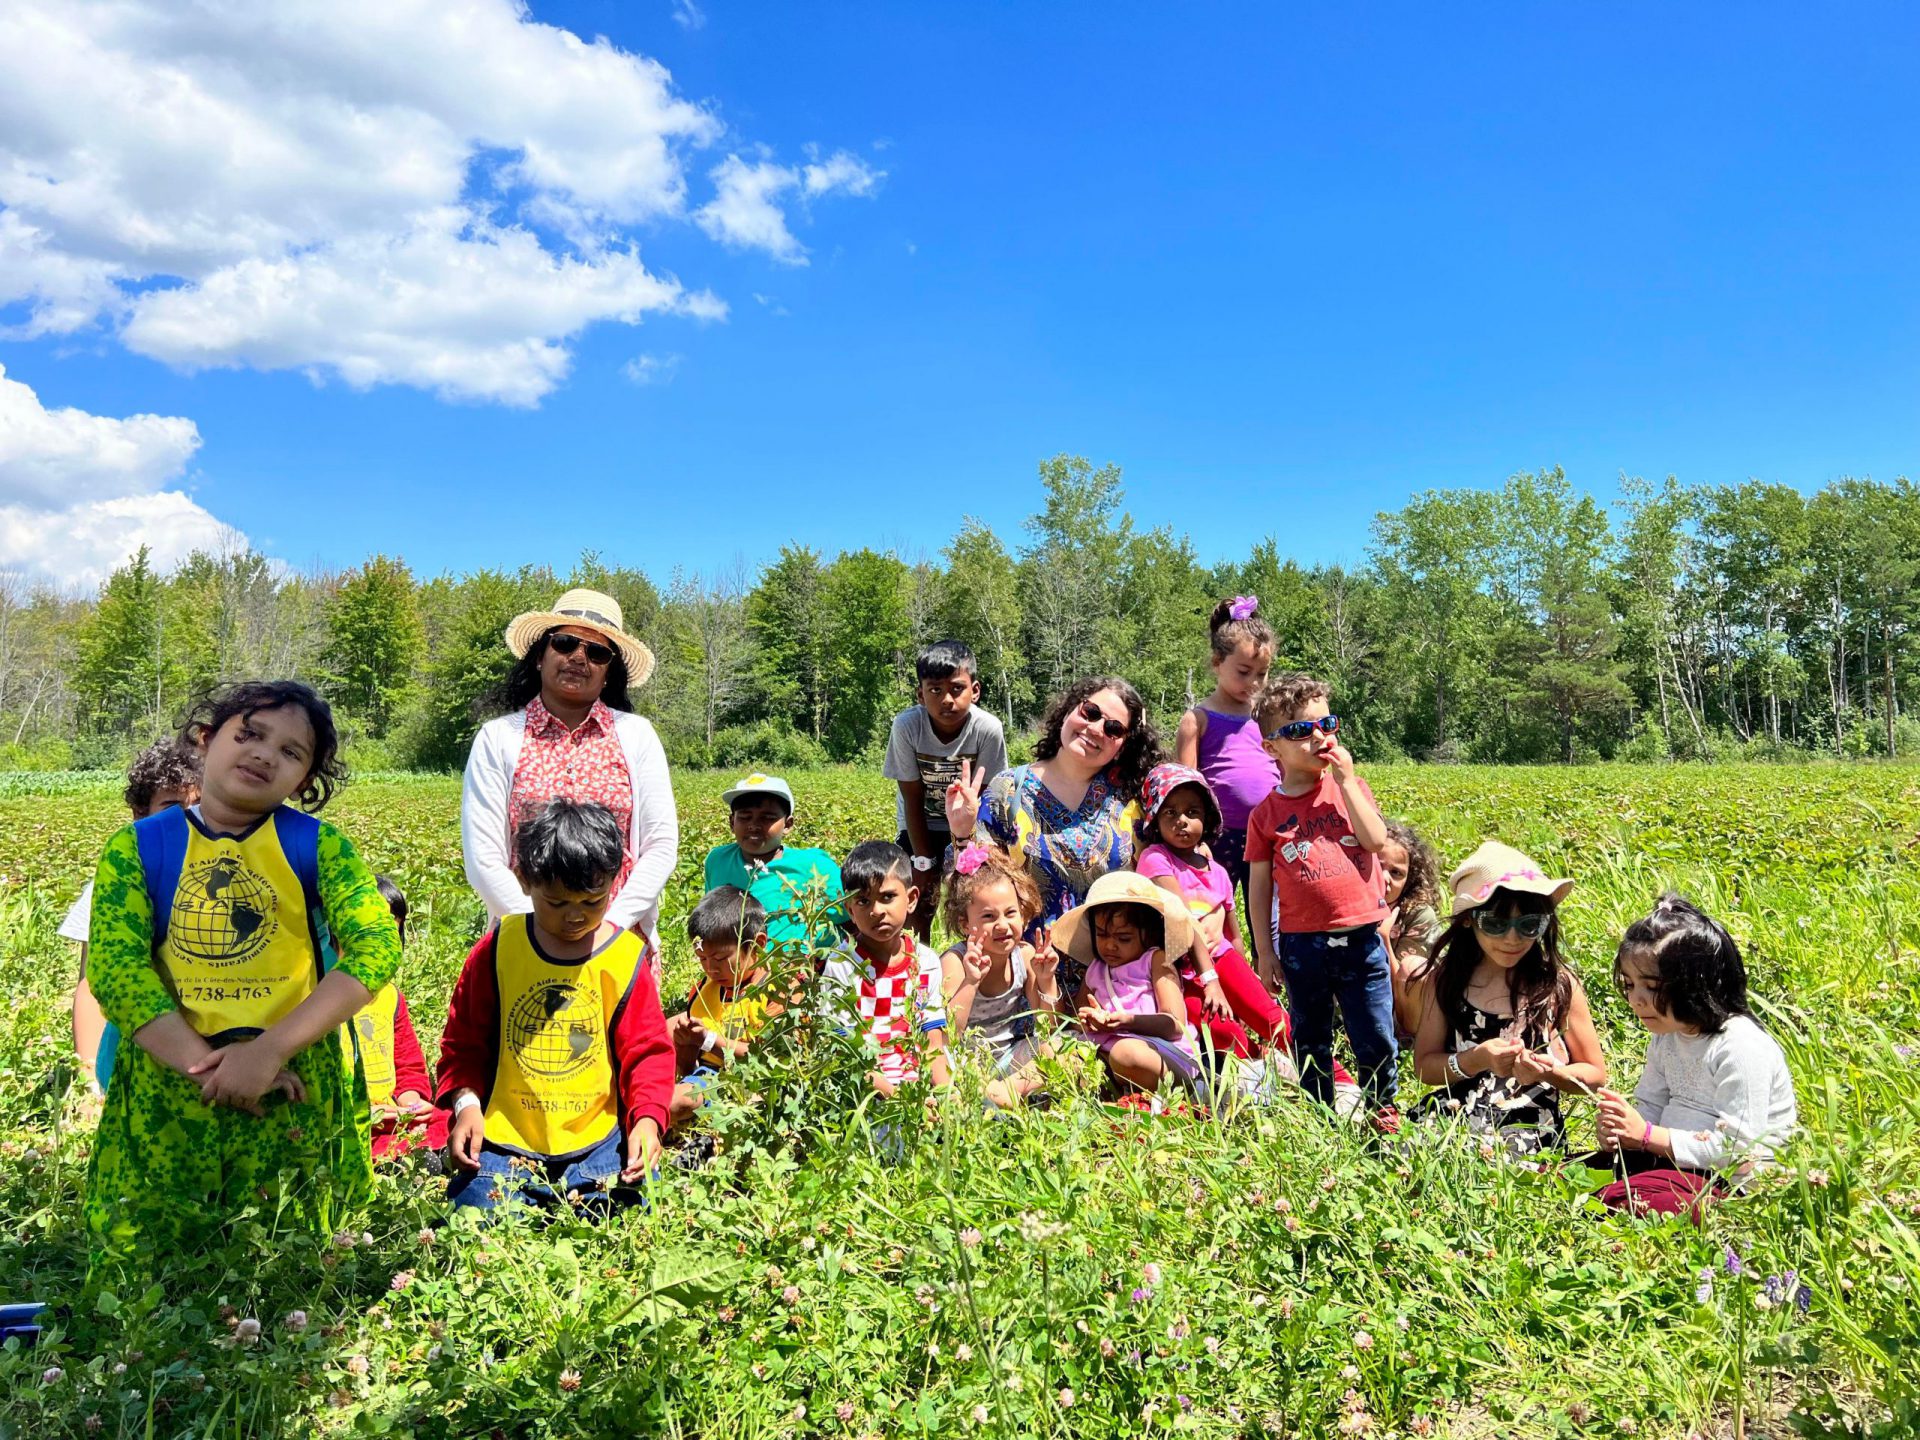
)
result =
(397, 1136)
(641, 1053)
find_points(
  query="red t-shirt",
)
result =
(1322, 878)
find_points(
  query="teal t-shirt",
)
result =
(791, 886)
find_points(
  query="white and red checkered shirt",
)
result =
(891, 1004)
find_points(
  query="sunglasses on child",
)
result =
(1527, 926)
(565, 644)
(1301, 729)
(1092, 714)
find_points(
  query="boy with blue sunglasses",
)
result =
(1313, 863)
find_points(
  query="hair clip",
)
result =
(971, 859)
(1243, 607)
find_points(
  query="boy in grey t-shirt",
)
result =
(928, 743)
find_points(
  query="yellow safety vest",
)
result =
(373, 1027)
(240, 951)
(555, 1085)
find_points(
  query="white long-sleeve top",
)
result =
(1727, 1099)
(653, 838)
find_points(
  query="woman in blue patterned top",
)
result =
(1069, 816)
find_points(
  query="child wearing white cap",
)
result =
(798, 886)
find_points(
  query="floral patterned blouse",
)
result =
(1065, 850)
(584, 765)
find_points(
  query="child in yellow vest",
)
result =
(555, 1062)
(398, 1085)
(730, 1004)
(204, 950)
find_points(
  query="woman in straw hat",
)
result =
(1127, 935)
(569, 732)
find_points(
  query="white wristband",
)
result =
(465, 1100)
(1209, 977)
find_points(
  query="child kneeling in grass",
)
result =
(1715, 1099)
(884, 984)
(729, 1006)
(555, 1061)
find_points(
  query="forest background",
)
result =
(1529, 623)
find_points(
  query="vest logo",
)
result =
(223, 913)
(553, 1032)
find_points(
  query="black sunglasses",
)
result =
(1091, 712)
(1301, 729)
(1530, 926)
(565, 644)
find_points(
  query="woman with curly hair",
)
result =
(1069, 816)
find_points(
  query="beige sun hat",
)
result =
(1073, 931)
(1501, 867)
(593, 611)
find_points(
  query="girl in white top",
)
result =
(996, 983)
(1715, 1100)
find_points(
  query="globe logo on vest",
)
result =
(223, 913)
(551, 1032)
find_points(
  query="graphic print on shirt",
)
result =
(937, 772)
(1321, 846)
(222, 913)
(555, 1029)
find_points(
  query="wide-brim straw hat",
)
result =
(1501, 867)
(592, 611)
(1073, 931)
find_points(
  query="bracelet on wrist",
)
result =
(1455, 1071)
(1209, 977)
(1646, 1137)
(464, 1101)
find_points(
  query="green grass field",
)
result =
(1068, 1272)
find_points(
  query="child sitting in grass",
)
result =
(1409, 872)
(398, 1086)
(796, 885)
(1715, 1098)
(884, 984)
(996, 983)
(729, 1005)
(555, 1062)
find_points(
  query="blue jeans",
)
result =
(505, 1178)
(1349, 967)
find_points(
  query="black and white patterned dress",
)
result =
(1524, 1118)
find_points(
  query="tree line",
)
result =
(1528, 623)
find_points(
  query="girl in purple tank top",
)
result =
(1220, 738)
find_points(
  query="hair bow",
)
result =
(971, 859)
(1243, 607)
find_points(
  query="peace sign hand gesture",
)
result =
(974, 963)
(963, 801)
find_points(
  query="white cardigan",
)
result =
(653, 839)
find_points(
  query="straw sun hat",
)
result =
(1501, 867)
(591, 610)
(1073, 931)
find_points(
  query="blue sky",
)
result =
(1284, 265)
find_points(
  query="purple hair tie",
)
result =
(1243, 607)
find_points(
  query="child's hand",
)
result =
(1531, 1069)
(1213, 1000)
(974, 963)
(963, 800)
(1046, 961)
(239, 1075)
(1339, 763)
(413, 1102)
(1620, 1123)
(643, 1152)
(882, 1086)
(464, 1136)
(1494, 1057)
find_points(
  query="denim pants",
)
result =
(505, 1178)
(1350, 968)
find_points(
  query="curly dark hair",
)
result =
(1139, 752)
(1539, 988)
(521, 683)
(247, 698)
(998, 868)
(1283, 697)
(1423, 867)
(164, 765)
(1702, 980)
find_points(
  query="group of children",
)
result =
(247, 954)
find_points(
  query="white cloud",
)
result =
(651, 369)
(438, 193)
(688, 15)
(79, 493)
(745, 213)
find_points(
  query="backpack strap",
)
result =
(162, 840)
(299, 835)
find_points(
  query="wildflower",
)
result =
(1293, 1224)
(1142, 1294)
(1106, 1348)
(1578, 1413)
(1013, 1382)
(1186, 1401)
(1179, 1330)
(1420, 1425)
(1355, 1422)
(569, 1380)
(1350, 1373)
(1330, 1183)
(94, 1423)
(358, 1365)
(1213, 1344)
(425, 1237)
(980, 1415)
(1286, 1307)
(844, 1410)
(1803, 1299)
(970, 1237)
(401, 1280)
(295, 1321)
(344, 1240)
(119, 1368)
(1703, 1292)
(1362, 1340)
(1282, 1205)
(1735, 1265)
(434, 1352)
(1818, 1179)
(1150, 1273)
(1762, 1301)
(366, 1237)
(52, 1375)
(799, 1413)
(933, 1349)
(340, 1399)
(1629, 1425)
(1065, 1397)
(247, 1332)
(759, 1371)
(963, 1352)
(791, 1295)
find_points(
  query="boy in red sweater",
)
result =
(555, 1063)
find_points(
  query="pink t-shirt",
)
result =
(1204, 885)
(1322, 879)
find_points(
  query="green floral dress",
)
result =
(167, 1168)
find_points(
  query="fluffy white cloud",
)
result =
(79, 493)
(651, 369)
(428, 192)
(745, 212)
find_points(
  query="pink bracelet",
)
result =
(1646, 1139)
